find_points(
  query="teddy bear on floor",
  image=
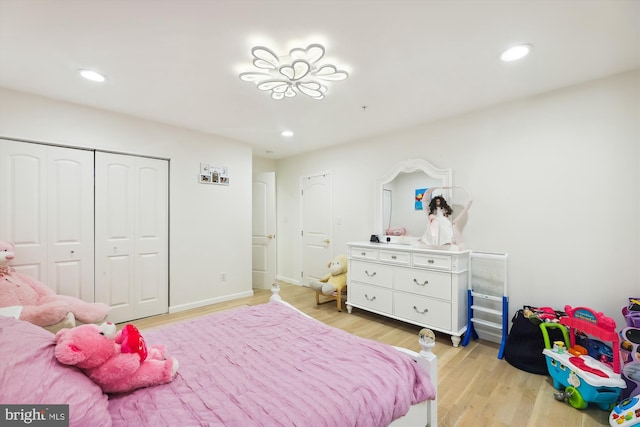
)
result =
(336, 280)
(39, 304)
(117, 362)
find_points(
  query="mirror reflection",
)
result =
(402, 203)
(399, 195)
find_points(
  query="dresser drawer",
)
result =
(422, 310)
(441, 262)
(435, 284)
(371, 273)
(372, 297)
(401, 258)
(364, 253)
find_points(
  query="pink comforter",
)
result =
(266, 365)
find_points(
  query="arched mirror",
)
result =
(398, 200)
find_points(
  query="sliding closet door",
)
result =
(46, 209)
(23, 207)
(70, 222)
(131, 235)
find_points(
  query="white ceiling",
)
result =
(410, 62)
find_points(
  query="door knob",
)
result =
(326, 241)
(270, 236)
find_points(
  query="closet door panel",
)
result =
(23, 204)
(70, 222)
(114, 231)
(151, 245)
(132, 235)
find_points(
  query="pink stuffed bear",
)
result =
(39, 304)
(119, 362)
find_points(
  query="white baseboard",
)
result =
(202, 303)
(289, 280)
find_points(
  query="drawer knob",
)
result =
(363, 253)
(369, 274)
(370, 299)
(393, 257)
(425, 311)
(430, 261)
(425, 283)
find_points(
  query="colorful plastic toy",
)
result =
(582, 378)
(626, 413)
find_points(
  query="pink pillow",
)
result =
(31, 375)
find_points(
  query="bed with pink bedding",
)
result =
(264, 365)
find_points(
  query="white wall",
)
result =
(261, 164)
(210, 225)
(555, 182)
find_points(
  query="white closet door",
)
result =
(131, 235)
(151, 237)
(70, 222)
(47, 210)
(23, 210)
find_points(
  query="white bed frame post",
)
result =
(429, 362)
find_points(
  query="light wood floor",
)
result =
(475, 388)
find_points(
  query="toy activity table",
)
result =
(583, 378)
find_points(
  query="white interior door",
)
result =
(316, 210)
(264, 230)
(131, 235)
(46, 209)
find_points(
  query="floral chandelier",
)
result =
(300, 72)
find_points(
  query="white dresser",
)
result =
(420, 286)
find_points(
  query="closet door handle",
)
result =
(425, 311)
(425, 283)
(369, 274)
(370, 299)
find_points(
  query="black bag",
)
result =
(525, 343)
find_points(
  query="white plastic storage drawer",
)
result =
(371, 273)
(441, 262)
(402, 258)
(364, 253)
(372, 297)
(422, 310)
(429, 283)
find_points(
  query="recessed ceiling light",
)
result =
(287, 133)
(515, 52)
(92, 75)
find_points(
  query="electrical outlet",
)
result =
(223, 277)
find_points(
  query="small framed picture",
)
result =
(211, 174)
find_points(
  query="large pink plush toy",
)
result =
(119, 362)
(36, 302)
